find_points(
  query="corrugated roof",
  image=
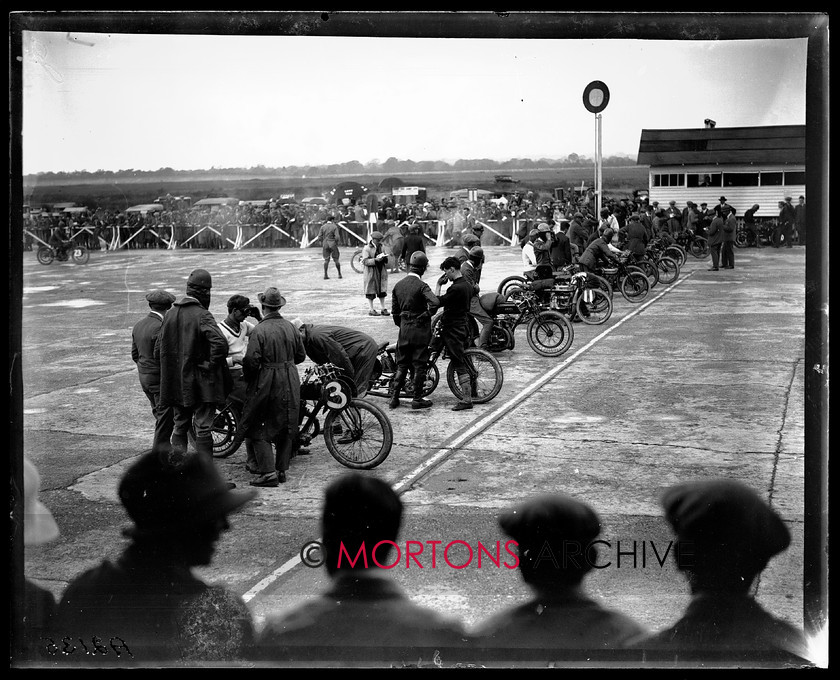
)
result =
(769, 145)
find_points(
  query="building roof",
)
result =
(769, 145)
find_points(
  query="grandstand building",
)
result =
(747, 165)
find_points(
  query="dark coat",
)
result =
(558, 622)
(595, 252)
(365, 615)
(412, 302)
(161, 613)
(269, 367)
(637, 237)
(715, 232)
(578, 234)
(353, 351)
(560, 251)
(143, 339)
(411, 244)
(727, 624)
(192, 352)
(730, 226)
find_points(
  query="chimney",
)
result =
(709, 123)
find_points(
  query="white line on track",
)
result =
(473, 430)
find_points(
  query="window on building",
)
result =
(794, 178)
(771, 179)
(669, 180)
(695, 180)
(740, 179)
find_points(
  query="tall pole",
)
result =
(598, 174)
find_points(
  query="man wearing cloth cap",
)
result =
(454, 329)
(148, 602)
(352, 351)
(555, 534)
(143, 338)
(328, 235)
(194, 377)
(529, 257)
(271, 412)
(726, 534)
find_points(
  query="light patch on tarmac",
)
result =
(576, 418)
(38, 289)
(75, 304)
(85, 390)
(101, 485)
(33, 411)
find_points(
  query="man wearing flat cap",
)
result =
(143, 338)
(555, 534)
(194, 376)
(148, 605)
(725, 536)
(270, 416)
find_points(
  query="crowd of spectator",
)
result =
(276, 224)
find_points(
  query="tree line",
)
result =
(390, 166)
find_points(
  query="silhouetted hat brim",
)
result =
(551, 517)
(164, 499)
(724, 514)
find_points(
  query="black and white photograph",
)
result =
(418, 339)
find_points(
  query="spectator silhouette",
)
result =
(726, 534)
(555, 535)
(363, 615)
(148, 604)
(39, 605)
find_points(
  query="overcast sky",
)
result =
(117, 101)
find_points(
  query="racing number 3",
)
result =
(336, 398)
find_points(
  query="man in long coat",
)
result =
(715, 233)
(194, 377)
(271, 411)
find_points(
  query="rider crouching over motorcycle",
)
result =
(412, 304)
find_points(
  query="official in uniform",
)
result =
(555, 534)
(725, 536)
(412, 305)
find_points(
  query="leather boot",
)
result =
(326, 268)
(419, 401)
(394, 390)
(466, 393)
(338, 269)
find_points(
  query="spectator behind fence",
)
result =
(363, 615)
(148, 605)
(725, 536)
(555, 535)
